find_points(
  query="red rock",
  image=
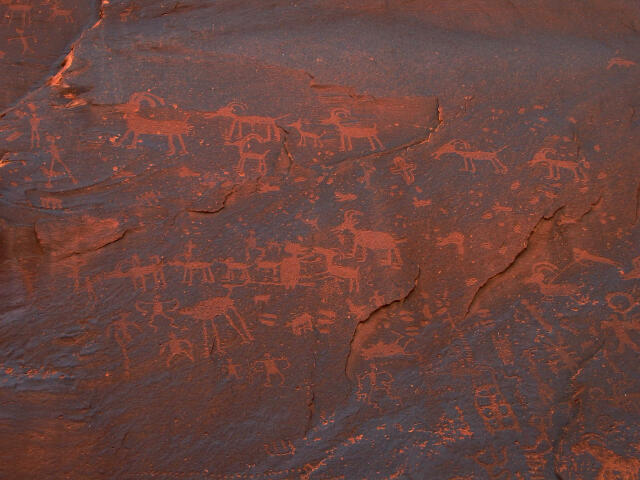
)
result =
(320, 240)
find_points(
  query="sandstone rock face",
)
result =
(324, 240)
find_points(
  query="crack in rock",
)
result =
(575, 402)
(405, 146)
(56, 79)
(492, 279)
(285, 148)
(370, 316)
(227, 196)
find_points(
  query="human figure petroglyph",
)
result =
(34, 124)
(191, 266)
(291, 265)
(470, 155)
(612, 465)
(404, 169)
(56, 159)
(348, 131)
(158, 309)
(233, 369)
(24, 39)
(176, 347)
(306, 135)
(370, 240)
(138, 273)
(350, 274)
(254, 123)
(549, 157)
(138, 125)
(120, 330)
(374, 381)
(271, 368)
(213, 308)
(246, 146)
(622, 323)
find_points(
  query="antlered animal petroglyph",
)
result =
(246, 151)
(366, 240)
(253, 123)
(147, 125)
(306, 136)
(349, 130)
(470, 155)
(549, 157)
(350, 274)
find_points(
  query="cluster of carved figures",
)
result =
(256, 137)
(252, 136)
(286, 266)
(19, 14)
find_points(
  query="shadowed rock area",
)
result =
(326, 239)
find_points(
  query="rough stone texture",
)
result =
(325, 240)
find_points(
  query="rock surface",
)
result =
(325, 240)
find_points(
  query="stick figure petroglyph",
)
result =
(56, 159)
(24, 39)
(177, 347)
(271, 369)
(621, 323)
(120, 330)
(158, 309)
(290, 266)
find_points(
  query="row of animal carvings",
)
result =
(245, 132)
(253, 136)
